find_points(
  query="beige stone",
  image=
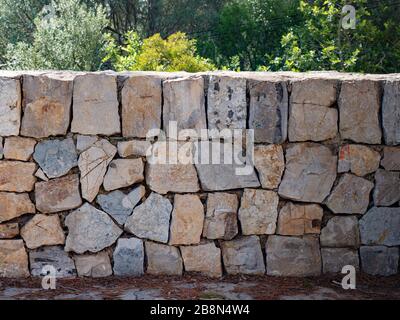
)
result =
(270, 164)
(358, 159)
(10, 106)
(134, 148)
(163, 260)
(93, 265)
(13, 259)
(18, 148)
(9, 230)
(17, 176)
(204, 259)
(123, 173)
(41, 175)
(14, 205)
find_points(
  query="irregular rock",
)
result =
(351, 195)
(90, 230)
(387, 188)
(17, 176)
(270, 164)
(93, 265)
(85, 142)
(379, 260)
(341, 232)
(204, 258)
(14, 205)
(258, 212)
(43, 230)
(9, 230)
(298, 220)
(58, 195)
(134, 148)
(391, 112)
(310, 173)
(227, 106)
(391, 158)
(358, 159)
(359, 106)
(187, 220)
(123, 173)
(13, 259)
(184, 104)
(293, 257)
(55, 257)
(221, 216)
(163, 260)
(93, 166)
(334, 259)
(268, 111)
(56, 157)
(10, 106)
(141, 106)
(40, 174)
(129, 257)
(120, 205)
(243, 256)
(47, 104)
(380, 226)
(1, 148)
(18, 148)
(151, 219)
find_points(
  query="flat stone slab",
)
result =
(391, 158)
(16, 176)
(358, 159)
(13, 205)
(10, 106)
(134, 148)
(270, 165)
(334, 259)
(341, 232)
(129, 258)
(387, 188)
(163, 259)
(379, 260)
(18, 148)
(391, 112)
(123, 173)
(13, 259)
(93, 265)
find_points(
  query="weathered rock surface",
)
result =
(379, 260)
(270, 164)
(10, 106)
(47, 104)
(134, 148)
(358, 159)
(298, 220)
(268, 111)
(258, 212)
(1, 148)
(95, 105)
(391, 112)
(221, 216)
(18, 148)
(40, 174)
(56, 157)
(380, 226)
(163, 260)
(13, 259)
(391, 158)
(387, 188)
(90, 230)
(53, 256)
(85, 142)
(9, 230)
(351, 195)
(310, 173)
(359, 105)
(334, 259)
(293, 257)
(243, 256)
(93, 265)
(14, 205)
(17, 176)
(58, 195)
(129, 257)
(93, 166)
(123, 173)
(141, 106)
(187, 220)
(151, 219)
(341, 232)
(204, 258)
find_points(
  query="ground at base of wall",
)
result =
(201, 288)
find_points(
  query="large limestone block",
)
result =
(310, 173)
(341, 232)
(93, 265)
(293, 257)
(359, 106)
(391, 158)
(9, 230)
(163, 260)
(17, 176)
(123, 173)
(379, 260)
(47, 104)
(204, 259)
(334, 259)
(270, 164)
(14, 205)
(129, 257)
(358, 159)
(95, 105)
(387, 188)
(391, 112)
(18, 148)
(10, 106)
(13, 259)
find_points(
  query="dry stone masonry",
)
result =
(80, 190)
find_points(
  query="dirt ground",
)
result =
(202, 288)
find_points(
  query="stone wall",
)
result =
(77, 191)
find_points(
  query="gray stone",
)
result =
(1, 148)
(163, 260)
(341, 232)
(387, 188)
(85, 142)
(134, 148)
(55, 257)
(351, 195)
(293, 257)
(10, 106)
(123, 173)
(93, 265)
(391, 112)
(310, 173)
(268, 111)
(270, 164)
(380, 226)
(391, 158)
(334, 259)
(90, 230)
(129, 257)
(360, 160)
(243, 256)
(204, 259)
(56, 157)
(379, 260)
(151, 219)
